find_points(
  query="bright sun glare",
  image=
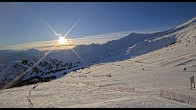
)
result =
(62, 40)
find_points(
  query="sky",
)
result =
(20, 22)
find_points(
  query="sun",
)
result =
(62, 40)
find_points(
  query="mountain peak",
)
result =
(194, 18)
(189, 22)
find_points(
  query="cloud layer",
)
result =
(46, 45)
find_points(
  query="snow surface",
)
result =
(147, 67)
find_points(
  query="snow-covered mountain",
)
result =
(156, 79)
(7, 56)
(59, 63)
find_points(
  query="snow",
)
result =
(7, 56)
(149, 65)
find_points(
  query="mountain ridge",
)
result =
(124, 48)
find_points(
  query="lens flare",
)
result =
(62, 40)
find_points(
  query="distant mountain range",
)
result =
(58, 63)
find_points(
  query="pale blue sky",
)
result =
(18, 23)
